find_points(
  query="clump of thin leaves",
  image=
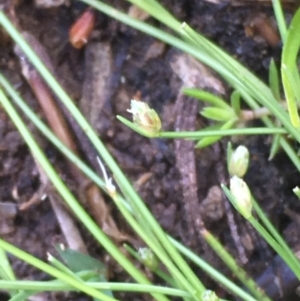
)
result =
(229, 119)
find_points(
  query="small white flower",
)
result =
(144, 116)
(209, 295)
(148, 258)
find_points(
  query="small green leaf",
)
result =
(213, 139)
(206, 97)
(290, 87)
(6, 271)
(80, 262)
(235, 100)
(77, 262)
(204, 142)
(23, 295)
(275, 146)
(207, 141)
(61, 266)
(274, 80)
(217, 113)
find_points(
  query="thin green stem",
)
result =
(280, 19)
(6, 271)
(275, 234)
(234, 288)
(204, 133)
(288, 257)
(290, 151)
(276, 246)
(234, 267)
(61, 286)
(229, 132)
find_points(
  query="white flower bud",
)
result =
(242, 196)
(145, 117)
(239, 162)
(148, 258)
(209, 295)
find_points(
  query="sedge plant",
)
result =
(180, 279)
(181, 273)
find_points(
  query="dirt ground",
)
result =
(131, 64)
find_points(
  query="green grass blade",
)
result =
(213, 272)
(55, 285)
(289, 72)
(6, 271)
(280, 19)
(275, 146)
(234, 267)
(235, 100)
(221, 132)
(274, 80)
(206, 97)
(218, 114)
(290, 85)
(272, 230)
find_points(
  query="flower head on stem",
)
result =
(144, 116)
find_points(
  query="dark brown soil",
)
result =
(134, 69)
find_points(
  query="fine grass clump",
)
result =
(265, 102)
